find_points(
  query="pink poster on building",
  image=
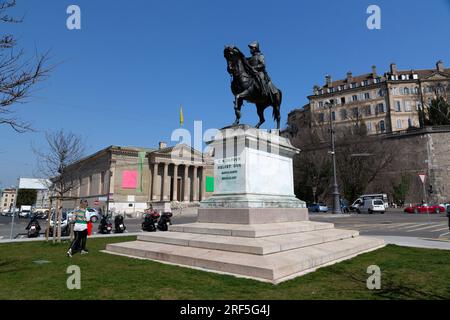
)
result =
(129, 179)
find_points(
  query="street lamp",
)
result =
(336, 198)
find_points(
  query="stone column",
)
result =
(166, 183)
(175, 182)
(186, 188)
(154, 181)
(203, 185)
(195, 185)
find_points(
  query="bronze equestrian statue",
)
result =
(251, 82)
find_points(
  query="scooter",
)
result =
(164, 220)
(119, 225)
(105, 226)
(33, 228)
(150, 219)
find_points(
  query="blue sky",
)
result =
(121, 78)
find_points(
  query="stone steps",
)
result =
(252, 230)
(275, 267)
(259, 246)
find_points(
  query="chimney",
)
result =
(328, 80)
(440, 66)
(393, 68)
(162, 145)
(349, 76)
(374, 71)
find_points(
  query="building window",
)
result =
(368, 110)
(380, 108)
(366, 82)
(344, 114)
(382, 126)
(342, 87)
(321, 117)
(399, 124)
(369, 126)
(407, 106)
(367, 95)
(398, 106)
(381, 93)
(354, 97)
(410, 123)
(333, 116)
(353, 85)
(343, 100)
(320, 104)
(377, 80)
(406, 90)
(331, 90)
(355, 112)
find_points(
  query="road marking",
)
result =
(442, 229)
(416, 225)
(423, 228)
(400, 225)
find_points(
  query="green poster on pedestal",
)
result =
(209, 184)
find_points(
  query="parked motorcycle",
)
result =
(150, 221)
(119, 225)
(33, 228)
(105, 226)
(164, 221)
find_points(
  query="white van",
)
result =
(371, 206)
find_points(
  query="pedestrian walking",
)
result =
(81, 217)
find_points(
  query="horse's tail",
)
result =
(277, 105)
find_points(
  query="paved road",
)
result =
(392, 223)
(133, 225)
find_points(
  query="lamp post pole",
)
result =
(336, 201)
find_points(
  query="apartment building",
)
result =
(393, 101)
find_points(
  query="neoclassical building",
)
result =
(129, 179)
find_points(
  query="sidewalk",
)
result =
(126, 234)
(436, 243)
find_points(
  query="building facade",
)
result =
(129, 179)
(8, 199)
(394, 101)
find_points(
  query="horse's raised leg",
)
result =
(260, 111)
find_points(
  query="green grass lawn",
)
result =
(407, 273)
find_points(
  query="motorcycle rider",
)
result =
(34, 221)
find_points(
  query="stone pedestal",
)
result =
(253, 225)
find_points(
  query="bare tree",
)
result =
(18, 75)
(64, 149)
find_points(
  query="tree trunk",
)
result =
(47, 231)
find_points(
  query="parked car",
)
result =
(65, 230)
(94, 215)
(355, 205)
(372, 206)
(317, 207)
(425, 208)
(446, 205)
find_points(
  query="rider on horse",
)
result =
(256, 61)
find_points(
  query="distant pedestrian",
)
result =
(81, 217)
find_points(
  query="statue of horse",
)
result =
(245, 86)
